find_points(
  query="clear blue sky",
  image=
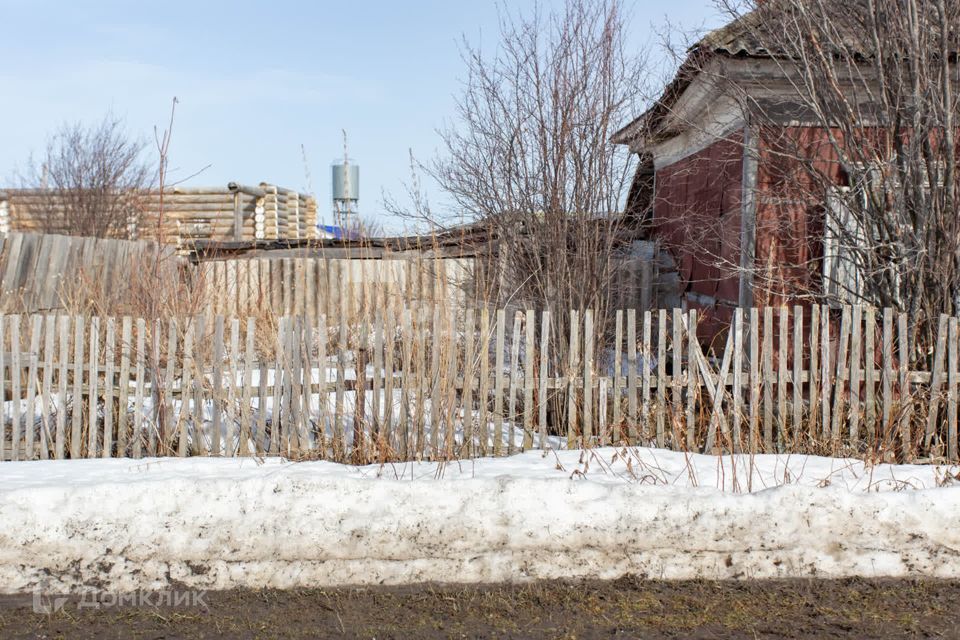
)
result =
(256, 80)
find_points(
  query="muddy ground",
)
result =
(625, 608)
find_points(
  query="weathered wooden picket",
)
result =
(315, 286)
(434, 382)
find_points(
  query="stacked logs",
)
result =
(235, 213)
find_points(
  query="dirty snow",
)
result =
(219, 523)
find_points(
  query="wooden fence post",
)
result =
(737, 391)
(841, 375)
(587, 430)
(906, 400)
(469, 372)
(797, 376)
(109, 352)
(200, 446)
(825, 374)
(323, 419)
(16, 372)
(574, 353)
(46, 398)
(544, 373)
(138, 390)
(389, 337)
(677, 379)
(166, 396)
(217, 382)
(92, 387)
(631, 376)
(661, 377)
(768, 379)
(645, 377)
(755, 381)
(617, 377)
(936, 381)
(498, 384)
(886, 382)
(64, 355)
(484, 392)
(856, 354)
(782, 330)
(406, 382)
(870, 373)
(436, 338)
(246, 415)
(514, 374)
(3, 389)
(126, 335)
(188, 414)
(528, 382)
(813, 372)
(693, 383)
(952, 391)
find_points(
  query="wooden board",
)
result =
(870, 373)
(126, 346)
(46, 395)
(796, 378)
(109, 382)
(3, 387)
(217, 387)
(768, 379)
(498, 384)
(542, 395)
(632, 367)
(841, 374)
(15, 380)
(905, 395)
(93, 394)
(572, 367)
(677, 376)
(736, 408)
(528, 381)
(617, 378)
(64, 331)
(813, 368)
(189, 412)
(661, 377)
(856, 357)
(588, 414)
(484, 390)
(33, 382)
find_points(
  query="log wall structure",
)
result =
(232, 213)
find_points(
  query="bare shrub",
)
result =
(89, 181)
(529, 157)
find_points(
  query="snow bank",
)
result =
(222, 523)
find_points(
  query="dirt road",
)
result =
(622, 609)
